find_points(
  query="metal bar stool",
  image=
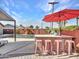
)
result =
(70, 42)
(39, 41)
(58, 45)
(46, 46)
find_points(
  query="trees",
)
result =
(62, 24)
(21, 25)
(47, 27)
(37, 27)
(31, 26)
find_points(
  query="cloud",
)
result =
(77, 5)
(21, 4)
(62, 8)
(16, 14)
(46, 7)
(18, 5)
(63, 1)
(51, 0)
(6, 2)
(11, 12)
(7, 10)
(9, 3)
(28, 22)
(25, 21)
(19, 19)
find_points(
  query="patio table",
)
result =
(48, 36)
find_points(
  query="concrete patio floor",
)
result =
(43, 57)
(17, 48)
(25, 50)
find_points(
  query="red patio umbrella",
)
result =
(63, 15)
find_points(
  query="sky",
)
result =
(31, 12)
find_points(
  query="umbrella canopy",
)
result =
(63, 15)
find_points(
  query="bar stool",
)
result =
(58, 45)
(36, 47)
(46, 45)
(70, 42)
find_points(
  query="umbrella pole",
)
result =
(60, 28)
(77, 21)
(52, 25)
(53, 3)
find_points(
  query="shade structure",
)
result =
(62, 15)
(5, 17)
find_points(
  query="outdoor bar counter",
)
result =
(54, 37)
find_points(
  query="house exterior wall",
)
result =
(32, 31)
(1, 27)
(7, 31)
